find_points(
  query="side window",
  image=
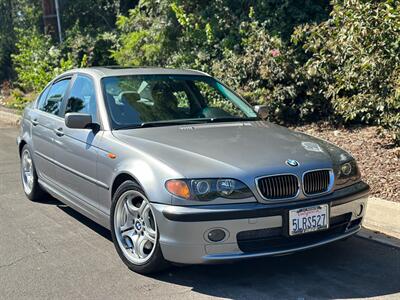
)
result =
(54, 98)
(82, 98)
(42, 97)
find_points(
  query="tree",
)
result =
(7, 39)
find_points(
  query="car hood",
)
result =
(223, 149)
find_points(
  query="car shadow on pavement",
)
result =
(354, 268)
(49, 200)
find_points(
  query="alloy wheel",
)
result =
(27, 171)
(135, 227)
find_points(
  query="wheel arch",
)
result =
(21, 145)
(121, 178)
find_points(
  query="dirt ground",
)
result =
(377, 156)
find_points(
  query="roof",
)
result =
(119, 71)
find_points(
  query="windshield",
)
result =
(159, 100)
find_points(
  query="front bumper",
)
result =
(253, 229)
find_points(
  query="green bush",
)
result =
(341, 62)
(18, 99)
(355, 61)
(88, 48)
(266, 71)
(37, 61)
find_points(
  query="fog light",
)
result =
(216, 235)
(346, 169)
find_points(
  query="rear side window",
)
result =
(43, 96)
(52, 104)
(82, 98)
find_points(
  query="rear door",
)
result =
(76, 148)
(45, 119)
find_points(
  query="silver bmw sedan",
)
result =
(181, 169)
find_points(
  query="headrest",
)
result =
(130, 96)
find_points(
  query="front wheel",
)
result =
(134, 230)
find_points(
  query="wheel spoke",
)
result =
(129, 233)
(130, 208)
(128, 237)
(128, 225)
(150, 235)
(138, 246)
(30, 181)
(25, 163)
(129, 218)
(142, 208)
(29, 161)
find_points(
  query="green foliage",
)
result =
(38, 61)
(355, 61)
(14, 15)
(18, 99)
(264, 71)
(6, 39)
(88, 48)
(304, 59)
(143, 35)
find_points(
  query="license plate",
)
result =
(308, 219)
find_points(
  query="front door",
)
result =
(77, 151)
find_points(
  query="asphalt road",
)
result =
(49, 251)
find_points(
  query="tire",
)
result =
(131, 210)
(30, 185)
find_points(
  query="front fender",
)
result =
(149, 172)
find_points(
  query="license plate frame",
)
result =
(311, 224)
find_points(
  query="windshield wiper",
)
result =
(164, 123)
(232, 119)
(187, 121)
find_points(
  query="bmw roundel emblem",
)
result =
(292, 162)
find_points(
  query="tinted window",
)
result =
(42, 97)
(54, 98)
(82, 98)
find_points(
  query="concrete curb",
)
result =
(379, 237)
(383, 216)
(382, 222)
(9, 117)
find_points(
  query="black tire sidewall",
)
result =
(156, 262)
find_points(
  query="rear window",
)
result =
(54, 98)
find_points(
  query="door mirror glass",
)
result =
(78, 120)
(262, 111)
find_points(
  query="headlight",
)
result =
(348, 172)
(208, 189)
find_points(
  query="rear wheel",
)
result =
(134, 230)
(29, 178)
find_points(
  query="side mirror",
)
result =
(262, 111)
(78, 120)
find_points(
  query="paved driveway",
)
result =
(49, 251)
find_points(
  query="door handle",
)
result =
(35, 122)
(59, 131)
